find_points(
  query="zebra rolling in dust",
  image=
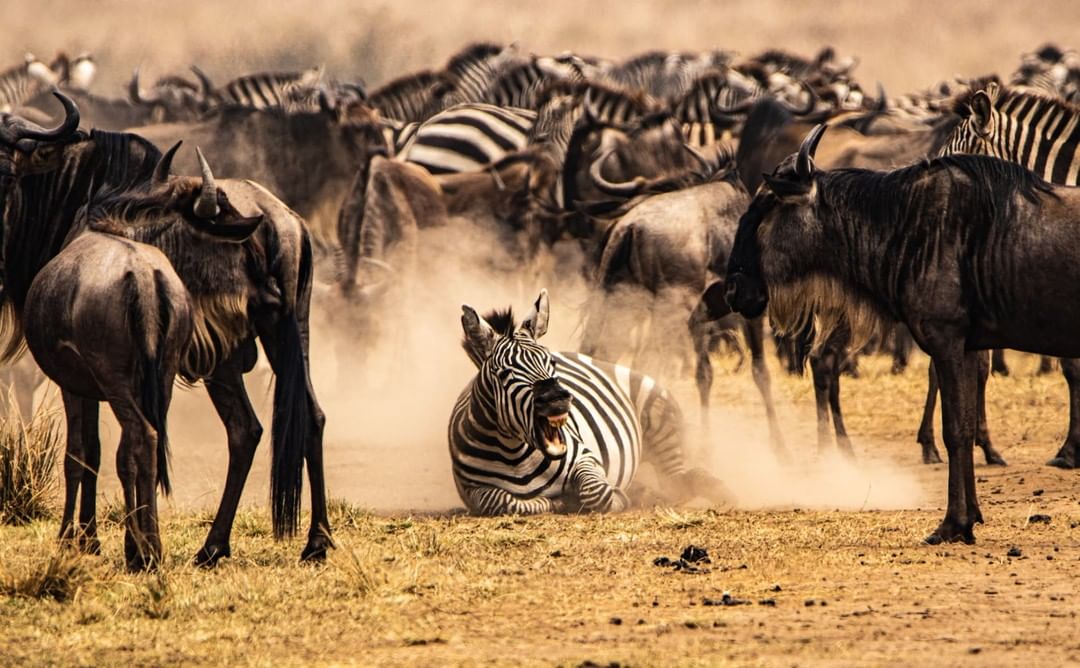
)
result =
(537, 431)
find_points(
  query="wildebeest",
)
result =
(258, 288)
(970, 252)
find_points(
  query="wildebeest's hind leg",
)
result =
(1068, 457)
(137, 468)
(81, 464)
(296, 431)
(958, 374)
(925, 438)
(982, 428)
(230, 399)
(663, 447)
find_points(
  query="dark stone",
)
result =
(1039, 519)
(1014, 552)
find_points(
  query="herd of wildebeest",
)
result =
(703, 190)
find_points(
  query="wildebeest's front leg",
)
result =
(982, 427)
(957, 372)
(755, 340)
(930, 454)
(230, 399)
(1068, 457)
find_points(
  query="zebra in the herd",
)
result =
(290, 91)
(24, 82)
(468, 137)
(537, 431)
(1041, 133)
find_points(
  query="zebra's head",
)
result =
(976, 132)
(517, 377)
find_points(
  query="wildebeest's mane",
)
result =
(501, 320)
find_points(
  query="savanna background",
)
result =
(834, 545)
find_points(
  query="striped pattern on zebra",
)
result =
(537, 431)
(24, 82)
(1041, 133)
(291, 91)
(468, 137)
(413, 98)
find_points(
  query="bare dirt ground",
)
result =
(806, 584)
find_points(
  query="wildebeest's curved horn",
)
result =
(882, 99)
(804, 165)
(206, 88)
(207, 205)
(134, 92)
(625, 189)
(63, 131)
(811, 101)
(701, 159)
(164, 166)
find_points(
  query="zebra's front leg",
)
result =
(492, 501)
(593, 491)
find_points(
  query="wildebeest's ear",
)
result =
(479, 336)
(228, 226)
(786, 188)
(536, 323)
(981, 107)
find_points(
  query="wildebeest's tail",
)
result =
(291, 426)
(152, 340)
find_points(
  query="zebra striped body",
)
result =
(1040, 133)
(23, 82)
(468, 137)
(293, 91)
(616, 420)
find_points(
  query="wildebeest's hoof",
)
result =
(210, 555)
(951, 532)
(315, 551)
(931, 456)
(141, 563)
(89, 545)
(994, 458)
(1061, 463)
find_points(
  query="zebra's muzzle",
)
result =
(551, 434)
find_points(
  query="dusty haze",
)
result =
(387, 411)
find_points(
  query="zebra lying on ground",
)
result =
(537, 431)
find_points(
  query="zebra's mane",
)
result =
(502, 320)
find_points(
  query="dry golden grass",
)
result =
(455, 590)
(29, 455)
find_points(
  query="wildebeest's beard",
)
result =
(747, 293)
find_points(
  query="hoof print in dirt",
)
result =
(1039, 519)
(1014, 552)
(725, 600)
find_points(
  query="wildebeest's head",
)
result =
(517, 375)
(780, 220)
(26, 148)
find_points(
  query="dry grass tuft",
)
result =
(29, 454)
(61, 577)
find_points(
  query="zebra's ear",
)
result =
(536, 323)
(981, 106)
(479, 336)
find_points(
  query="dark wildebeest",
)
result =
(970, 252)
(259, 288)
(109, 319)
